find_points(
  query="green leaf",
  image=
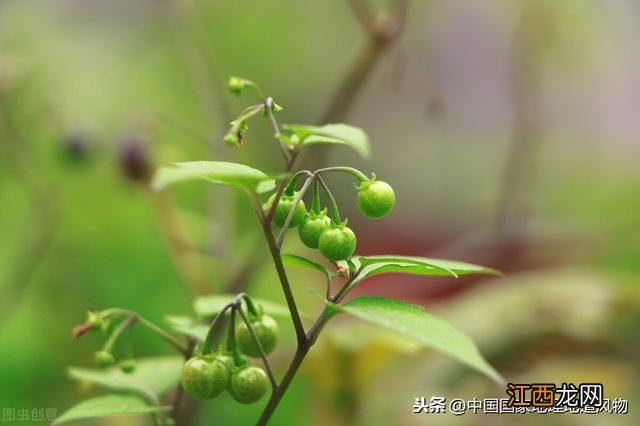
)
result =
(187, 326)
(152, 377)
(208, 306)
(219, 172)
(351, 136)
(421, 266)
(302, 262)
(413, 322)
(108, 405)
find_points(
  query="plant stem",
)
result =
(207, 346)
(274, 250)
(232, 346)
(287, 222)
(352, 171)
(263, 355)
(346, 287)
(288, 158)
(108, 345)
(251, 307)
(150, 326)
(301, 353)
(333, 206)
(303, 348)
(310, 339)
(163, 334)
(290, 189)
(315, 206)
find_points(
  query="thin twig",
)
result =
(208, 346)
(346, 286)
(149, 326)
(263, 355)
(335, 214)
(280, 269)
(380, 36)
(300, 354)
(276, 131)
(287, 222)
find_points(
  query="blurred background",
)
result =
(509, 131)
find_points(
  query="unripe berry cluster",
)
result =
(331, 236)
(207, 376)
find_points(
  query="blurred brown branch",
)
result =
(380, 35)
(533, 35)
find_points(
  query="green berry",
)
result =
(104, 359)
(236, 85)
(248, 384)
(337, 243)
(266, 329)
(311, 227)
(128, 366)
(284, 207)
(231, 139)
(376, 198)
(227, 360)
(205, 377)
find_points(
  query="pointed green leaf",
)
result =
(208, 306)
(413, 265)
(219, 172)
(351, 136)
(107, 406)
(302, 262)
(187, 326)
(413, 322)
(152, 377)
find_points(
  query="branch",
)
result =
(134, 316)
(310, 338)
(287, 222)
(263, 355)
(282, 273)
(268, 103)
(380, 36)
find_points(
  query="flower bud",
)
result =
(236, 85)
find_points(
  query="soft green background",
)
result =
(556, 80)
